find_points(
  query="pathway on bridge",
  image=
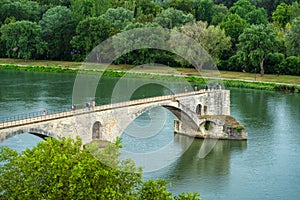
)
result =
(70, 113)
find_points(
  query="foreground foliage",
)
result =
(61, 170)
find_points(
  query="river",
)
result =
(267, 166)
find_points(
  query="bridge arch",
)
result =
(180, 114)
(33, 131)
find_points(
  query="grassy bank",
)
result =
(290, 83)
(38, 68)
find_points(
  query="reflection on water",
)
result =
(217, 162)
(155, 147)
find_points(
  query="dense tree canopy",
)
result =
(90, 33)
(61, 170)
(58, 28)
(213, 39)
(82, 9)
(119, 17)
(242, 8)
(282, 15)
(28, 10)
(146, 7)
(72, 28)
(255, 44)
(234, 26)
(22, 39)
(293, 35)
(205, 10)
(257, 16)
(187, 6)
(171, 18)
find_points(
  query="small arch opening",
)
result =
(97, 133)
(199, 109)
(207, 125)
(205, 110)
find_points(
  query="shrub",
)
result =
(290, 66)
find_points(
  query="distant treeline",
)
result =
(244, 35)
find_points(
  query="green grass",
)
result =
(63, 64)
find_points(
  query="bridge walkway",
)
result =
(15, 121)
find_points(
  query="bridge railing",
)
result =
(33, 114)
(147, 100)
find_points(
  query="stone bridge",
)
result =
(198, 115)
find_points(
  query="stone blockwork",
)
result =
(109, 121)
(222, 127)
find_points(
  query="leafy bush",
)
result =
(291, 65)
(239, 128)
(272, 63)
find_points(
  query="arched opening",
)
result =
(21, 141)
(42, 134)
(96, 134)
(205, 110)
(199, 109)
(147, 130)
(207, 125)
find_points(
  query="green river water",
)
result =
(267, 166)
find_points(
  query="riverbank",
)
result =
(229, 79)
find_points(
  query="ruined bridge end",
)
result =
(214, 121)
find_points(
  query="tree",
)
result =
(22, 39)
(58, 28)
(118, 17)
(291, 65)
(61, 170)
(143, 10)
(133, 46)
(273, 62)
(282, 15)
(255, 43)
(292, 38)
(242, 8)
(55, 2)
(227, 3)
(205, 10)
(81, 9)
(90, 33)
(234, 25)
(187, 6)
(269, 5)
(220, 13)
(295, 10)
(246, 10)
(213, 39)
(146, 7)
(25, 10)
(171, 17)
(257, 16)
